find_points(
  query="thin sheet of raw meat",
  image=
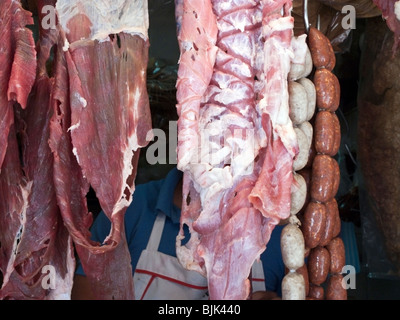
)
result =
(102, 121)
(44, 257)
(18, 64)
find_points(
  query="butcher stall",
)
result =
(275, 115)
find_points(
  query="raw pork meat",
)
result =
(236, 142)
(101, 120)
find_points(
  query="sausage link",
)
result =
(325, 178)
(301, 159)
(318, 265)
(327, 134)
(327, 89)
(293, 287)
(337, 253)
(292, 246)
(332, 205)
(332, 222)
(298, 102)
(311, 95)
(335, 289)
(298, 193)
(321, 50)
(313, 224)
(306, 174)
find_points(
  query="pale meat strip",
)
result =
(243, 131)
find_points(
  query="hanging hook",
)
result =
(305, 11)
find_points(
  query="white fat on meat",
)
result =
(74, 127)
(210, 182)
(63, 285)
(397, 9)
(238, 144)
(239, 20)
(279, 115)
(23, 203)
(241, 44)
(66, 45)
(237, 66)
(132, 147)
(107, 17)
(223, 6)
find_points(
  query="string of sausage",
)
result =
(302, 101)
(321, 223)
(314, 226)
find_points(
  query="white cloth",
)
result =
(159, 276)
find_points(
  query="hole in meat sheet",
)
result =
(127, 193)
(188, 199)
(116, 37)
(186, 233)
(93, 203)
(118, 41)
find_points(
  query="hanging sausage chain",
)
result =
(321, 221)
(302, 102)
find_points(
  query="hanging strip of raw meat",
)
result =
(271, 194)
(18, 64)
(108, 266)
(102, 121)
(14, 191)
(106, 106)
(197, 35)
(238, 177)
(391, 13)
(44, 261)
(44, 244)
